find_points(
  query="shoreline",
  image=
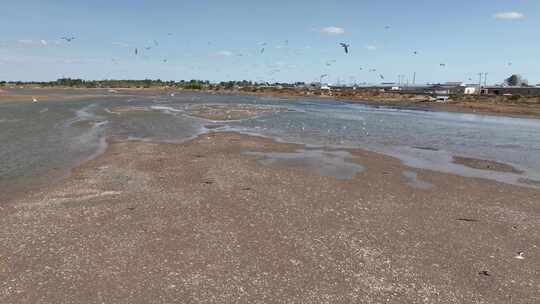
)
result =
(206, 212)
(489, 106)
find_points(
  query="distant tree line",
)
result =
(193, 84)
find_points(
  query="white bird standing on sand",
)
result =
(34, 100)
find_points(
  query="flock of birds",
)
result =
(344, 45)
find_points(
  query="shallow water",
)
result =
(413, 181)
(326, 163)
(44, 137)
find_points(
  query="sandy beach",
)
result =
(210, 221)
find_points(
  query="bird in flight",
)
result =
(164, 60)
(329, 62)
(156, 43)
(443, 65)
(345, 47)
(68, 39)
(387, 27)
(148, 48)
(382, 77)
(262, 51)
(415, 52)
(136, 51)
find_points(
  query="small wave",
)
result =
(167, 110)
(9, 120)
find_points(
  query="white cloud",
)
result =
(79, 60)
(26, 41)
(332, 30)
(120, 44)
(509, 16)
(224, 53)
(371, 47)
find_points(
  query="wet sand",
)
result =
(206, 221)
(483, 164)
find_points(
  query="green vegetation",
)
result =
(516, 81)
(193, 84)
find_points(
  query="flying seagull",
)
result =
(387, 27)
(148, 48)
(415, 52)
(262, 51)
(68, 39)
(382, 77)
(164, 60)
(156, 43)
(136, 51)
(345, 47)
(443, 65)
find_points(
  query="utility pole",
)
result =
(480, 80)
(479, 83)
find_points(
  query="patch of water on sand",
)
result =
(443, 161)
(325, 163)
(413, 181)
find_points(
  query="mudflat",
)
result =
(209, 221)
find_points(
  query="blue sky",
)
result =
(222, 40)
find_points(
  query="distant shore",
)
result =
(492, 105)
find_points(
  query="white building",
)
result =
(470, 91)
